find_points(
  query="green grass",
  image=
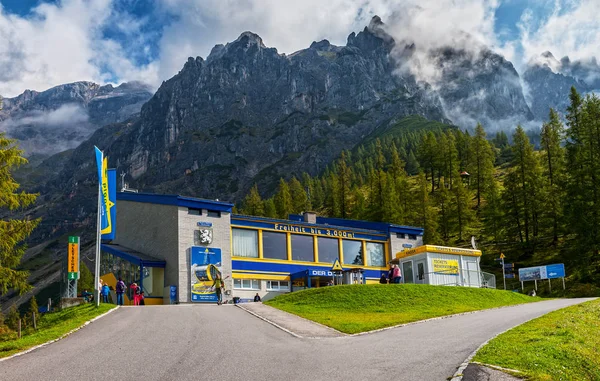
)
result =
(52, 326)
(360, 308)
(562, 345)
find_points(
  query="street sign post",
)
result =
(503, 270)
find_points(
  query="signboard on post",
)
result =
(73, 258)
(542, 272)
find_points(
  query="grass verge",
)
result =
(52, 326)
(361, 308)
(562, 345)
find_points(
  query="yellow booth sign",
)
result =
(445, 266)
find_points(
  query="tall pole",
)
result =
(98, 237)
(503, 273)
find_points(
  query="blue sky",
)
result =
(47, 42)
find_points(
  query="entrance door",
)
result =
(421, 276)
(472, 274)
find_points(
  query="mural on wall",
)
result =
(205, 266)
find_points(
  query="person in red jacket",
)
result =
(396, 274)
(136, 293)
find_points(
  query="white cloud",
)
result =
(60, 43)
(572, 29)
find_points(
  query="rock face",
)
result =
(549, 82)
(247, 114)
(62, 117)
(480, 87)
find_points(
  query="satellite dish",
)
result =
(473, 243)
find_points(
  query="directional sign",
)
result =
(555, 271)
(509, 266)
(502, 256)
(509, 276)
(542, 272)
(73, 258)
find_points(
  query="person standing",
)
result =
(219, 288)
(105, 291)
(120, 289)
(135, 291)
(396, 274)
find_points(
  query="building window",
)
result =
(400, 235)
(246, 284)
(328, 249)
(407, 272)
(194, 211)
(353, 252)
(245, 243)
(375, 254)
(214, 213)
(278, 285)
(302, 248)
(412, 236)
(274, 245)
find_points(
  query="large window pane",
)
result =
(302, 248)
(245, 243)
(274, 245)
(352, 252)
(375, 254)
(328, 249)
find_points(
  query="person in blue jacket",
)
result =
(105, 292)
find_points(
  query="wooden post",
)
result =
(34, 324)
(19, 331)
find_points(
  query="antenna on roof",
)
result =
(473, 243)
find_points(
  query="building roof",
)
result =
(438, 249)
(168, 199)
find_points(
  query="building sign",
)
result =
(203, 236)
(438, 249)
(205, 224)
(73, 258)
(542, 272)
(315, 231)
(320, 273)
(205, 266)
(445, 266)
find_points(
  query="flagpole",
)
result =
(97, 268)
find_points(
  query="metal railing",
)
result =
(466, 278)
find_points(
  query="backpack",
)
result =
(138, 290)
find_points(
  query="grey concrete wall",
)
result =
(150, 229)
(188, 224)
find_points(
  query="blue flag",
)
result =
(101, 162)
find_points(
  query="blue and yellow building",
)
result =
(169, 240)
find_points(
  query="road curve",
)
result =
(209, 342)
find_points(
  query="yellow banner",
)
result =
(105, 198)
(445, 266)
(73, 258)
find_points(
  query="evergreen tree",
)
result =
(444, 203)
(270, 209)
(492, 213)
(412, 165)
(283, 200)
(463, 212)
(86, 279)
(481, 166)
(253, 204)
(299, 198)
(307, 183)
(554, 169)
(12, 318)
(428, 152)
(33, 307)
(12, 231)
(426, 215)
(344, 174)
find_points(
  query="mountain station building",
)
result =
(175, 246)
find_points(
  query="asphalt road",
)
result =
(208, 342)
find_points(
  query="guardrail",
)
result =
(467, 278)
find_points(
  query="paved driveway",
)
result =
(208, 342)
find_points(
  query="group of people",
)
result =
(394, 276)
(120, 290)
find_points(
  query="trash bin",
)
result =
(173, 294)
(236, 299)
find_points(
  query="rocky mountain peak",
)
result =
(372, 38)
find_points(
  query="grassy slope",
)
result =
(562, 345)
(360, 308)
(53, 326)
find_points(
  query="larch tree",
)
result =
(299, 197)
(481, 162)
(283, 200)
(13, 231)
(253, 204)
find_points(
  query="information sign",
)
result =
(73, 258)
(542, 272)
